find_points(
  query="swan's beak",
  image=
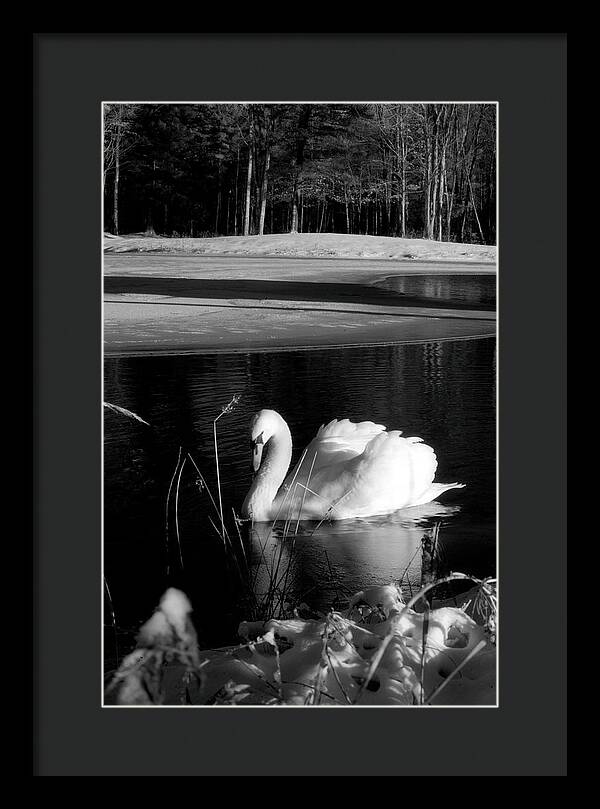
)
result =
(257, 450)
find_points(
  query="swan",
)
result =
(348, 470)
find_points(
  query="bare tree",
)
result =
(249, 173)
(118, 141)
(304, 114)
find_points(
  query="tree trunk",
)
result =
(249, 175)
(150, 209)
(435, 181)
(426, 175)
(117, 176)
(235, 209)
(401, 167)
(219, 195)
(475, 212)
(449, 206)
(347, 212)
(263, 191)
(320, 227)
(116, 195)
(441, 189)
(301, 138)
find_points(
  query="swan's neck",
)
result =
(277, 455)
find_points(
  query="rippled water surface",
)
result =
(441, 391)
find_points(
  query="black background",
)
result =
(72, 74)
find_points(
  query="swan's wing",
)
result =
(357, 470)
(334, 443)
(391, 473)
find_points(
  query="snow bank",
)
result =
(317, 662)
(337, 652)
(309, 245)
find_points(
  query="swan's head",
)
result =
(265, 424)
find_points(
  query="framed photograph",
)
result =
(298, 363)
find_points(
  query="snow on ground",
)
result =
(181, 302)
(370, 654)
(333, 245)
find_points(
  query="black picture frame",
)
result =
(72, 74)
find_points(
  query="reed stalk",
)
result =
(177, 512)
(113, 618)
(167, 538)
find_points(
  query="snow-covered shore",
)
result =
(308, 245)
(377, 652)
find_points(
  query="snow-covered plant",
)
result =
(167, 637)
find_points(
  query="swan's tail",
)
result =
(434, 491)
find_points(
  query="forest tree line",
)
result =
(410, 170)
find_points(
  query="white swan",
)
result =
(348, 470)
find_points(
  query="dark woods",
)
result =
(414, 170)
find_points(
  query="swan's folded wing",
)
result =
(392, 473)
(334, 443)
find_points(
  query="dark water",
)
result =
(441, 391)
(474, 291)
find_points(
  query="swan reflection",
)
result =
(324, 563)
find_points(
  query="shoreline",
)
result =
(276, 349)
(167, 304)
(473, 265)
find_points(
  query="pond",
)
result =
(441, 391)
